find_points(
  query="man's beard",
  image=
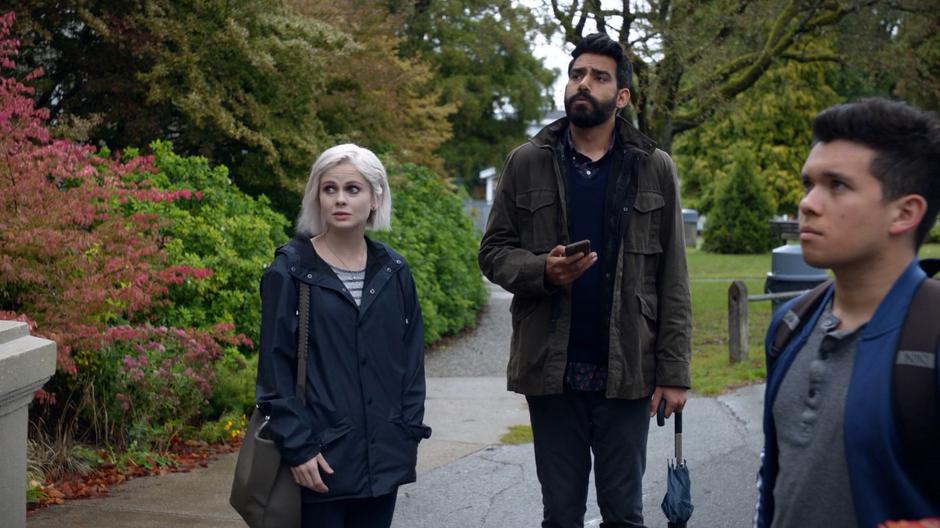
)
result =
(599, 112)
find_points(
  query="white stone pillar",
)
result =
(26, 364)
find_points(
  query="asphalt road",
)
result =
(498, 487)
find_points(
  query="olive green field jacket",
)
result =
(650, 318)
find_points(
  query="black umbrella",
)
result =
(677, 504)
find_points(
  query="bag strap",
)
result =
(930, 266)
(914, 390)
(302, 340)
(805, 304)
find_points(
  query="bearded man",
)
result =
(600, 335)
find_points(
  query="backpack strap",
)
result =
(914, 390)
(930, 266)
(804, 305)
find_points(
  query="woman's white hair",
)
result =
(310, 221)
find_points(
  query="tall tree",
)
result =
(261, 86)
(232, 80)
(691, 58)
(918, 48)
(893, 50)
(371, 95)
(482, 57)
(772, 122)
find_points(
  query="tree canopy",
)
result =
(263, 86)
(713, 78)
(481, 52)
(692, 58)
(772, 122)
(235, 81)
(373, 96)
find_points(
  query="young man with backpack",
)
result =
(851, 405)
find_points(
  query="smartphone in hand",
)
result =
(583, 246)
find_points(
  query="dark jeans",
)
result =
(566, 429)
(375, 512)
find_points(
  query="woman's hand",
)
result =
(308, 474)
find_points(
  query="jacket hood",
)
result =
(630, 137)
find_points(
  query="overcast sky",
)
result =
(556, 55)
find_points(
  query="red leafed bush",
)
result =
(932, 522)
(90, 277)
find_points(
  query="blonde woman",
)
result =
(355, 439)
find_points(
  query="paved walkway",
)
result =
(466, 479)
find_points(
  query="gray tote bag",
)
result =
(264, 492)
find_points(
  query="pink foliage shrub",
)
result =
(91, 278)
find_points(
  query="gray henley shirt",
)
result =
(812, 487)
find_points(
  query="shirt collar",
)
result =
(568, 143)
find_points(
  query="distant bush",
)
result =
(738, 222)
(933, 236)
(436, 237)
(234, 389)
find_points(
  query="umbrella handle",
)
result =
(678, 416)
(661, 421)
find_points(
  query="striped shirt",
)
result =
(353, 280)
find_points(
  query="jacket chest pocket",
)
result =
(537, 211)
(642, 232)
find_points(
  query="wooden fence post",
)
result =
(737, 322)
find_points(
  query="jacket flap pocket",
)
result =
(647, 308)
(535, 199)
(332, 434)
(649, 201)
(414, 431)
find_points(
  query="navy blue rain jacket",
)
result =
(365, 383)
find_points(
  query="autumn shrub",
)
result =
(431, 230)
(148, 383)
(94, 276)
(66, 261)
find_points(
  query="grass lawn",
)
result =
(711, 274)
(930, 251)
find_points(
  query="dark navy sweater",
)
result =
(587, 188)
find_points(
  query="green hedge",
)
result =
(436, 237)
(235, 235)
(208, 223)
(220, 228)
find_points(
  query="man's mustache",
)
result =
(583, 96)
